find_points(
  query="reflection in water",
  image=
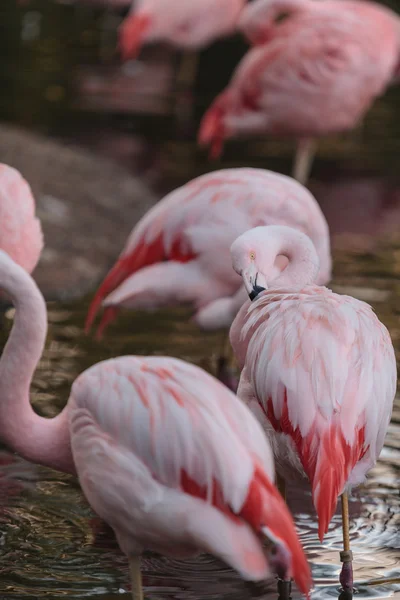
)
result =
(51, 543)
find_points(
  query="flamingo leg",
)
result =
(284, 589)
(281, 484)
(306, 149)
(225, 372)
(346, 556)
(185, 83)
(284, 585)
(136, 578)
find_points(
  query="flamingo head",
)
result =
(253, 261)
(261, 257)
(278, 555)
(259, 19)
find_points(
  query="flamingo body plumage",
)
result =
(315, 72)
(321, 366)
(186, 25)
(179, 251)
(20, 230)
(164, 452)
(175, 441)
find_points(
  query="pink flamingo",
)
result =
(315, 72)
(165, 454)
(20, 231)
(179, 251)
(187, 25)
(318, 368)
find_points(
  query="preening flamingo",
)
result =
(20, 230)
(179, 251)
(313, 73)
(167, 455)
(320, 365)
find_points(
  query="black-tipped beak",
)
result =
(257, 289)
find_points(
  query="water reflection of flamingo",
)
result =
(207, 485)
(312, 73)
(20, 231)
(179, 251)
(318, 368)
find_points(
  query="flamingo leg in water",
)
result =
(136, 578)
(303, 160)
(284, 585)
(284, 589)
(225, 372)
(185, 83)
(346, 556)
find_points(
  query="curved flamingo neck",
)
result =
(303, 263)
(39, 440)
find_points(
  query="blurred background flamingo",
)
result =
(313, 73)
(186, 25)
(20, 230)
(318, 369)
(189, 25)
(178, 253)
(155, 490)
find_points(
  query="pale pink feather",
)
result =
(20, 231)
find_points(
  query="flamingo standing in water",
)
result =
(189, 25)
(20, 231)
(179, 251)
(165, 454)
(314, 73)
(317, 367)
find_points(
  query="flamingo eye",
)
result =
(252, 255)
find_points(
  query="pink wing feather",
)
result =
(153, 436)
(323, 368)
